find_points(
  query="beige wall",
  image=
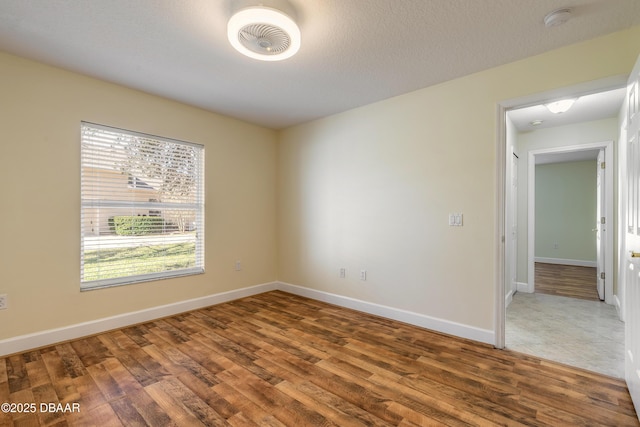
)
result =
(366, 189)
(371, 188)
(40, 112)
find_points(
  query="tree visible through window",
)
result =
(142, 207)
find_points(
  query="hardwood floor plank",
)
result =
(237, 355)
(127, 412)
(122, 377)
(90, 351)
(252, 411)
(239, 420)
(45, 393)
(277, 359)
(100, 416)
(70, 360)
(192, 402)
(509, 415)
(104, 381)
(17, 374)
(333, 416)
(137, 334)
(22, 396)
(427, 410)
(208, 395)
(338, 410)
(163, 393)
(286, 409)
(566, 280)
(134, 359)
(37, 373)
(89, 393)
(149, 409)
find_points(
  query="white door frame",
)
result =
(531, 209)
(511, 245)
(502, 107)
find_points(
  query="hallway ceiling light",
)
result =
(561, 106)
(263, 33)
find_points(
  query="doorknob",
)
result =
(635, 254)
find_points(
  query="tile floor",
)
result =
(586, 334)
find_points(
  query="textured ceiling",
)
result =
(353, 52)
(594, 106)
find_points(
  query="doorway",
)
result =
(562, 239)
(603, 220)
(505, 265)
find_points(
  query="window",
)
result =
(142, 214)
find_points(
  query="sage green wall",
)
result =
(566, 211)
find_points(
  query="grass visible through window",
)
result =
(108, 264)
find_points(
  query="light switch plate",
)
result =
(455, 219)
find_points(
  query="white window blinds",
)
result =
(142, 208)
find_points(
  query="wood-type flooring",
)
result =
(566, 281)
(277, 359)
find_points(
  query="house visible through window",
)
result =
(142, 214)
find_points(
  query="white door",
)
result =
(600, 228)
(630, 134)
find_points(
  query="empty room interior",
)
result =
(289, 212)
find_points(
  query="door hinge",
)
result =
(603, 220)
(602, 275)
(602, 165)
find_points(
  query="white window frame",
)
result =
(101, 149)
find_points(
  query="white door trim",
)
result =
(500, 224)
(531, 209)
(502, 107)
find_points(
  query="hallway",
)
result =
(579, 330)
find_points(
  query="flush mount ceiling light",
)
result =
(561, 106)
(557, 17)
(263, 33)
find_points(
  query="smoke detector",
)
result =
(264, 33)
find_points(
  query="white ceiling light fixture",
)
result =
(264, 33)
(561, 106)
(557, 17)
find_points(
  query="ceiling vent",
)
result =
(264, 33)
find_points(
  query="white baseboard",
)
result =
(618, 305)
(508, 299)
(417, 319)
(524, 287)
(52, 336)
(576, 262)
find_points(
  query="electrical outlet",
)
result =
(363, 274)
(3, 301)
(343, 273)
(238, 266)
